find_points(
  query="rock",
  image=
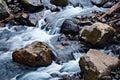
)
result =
(4, 11)
(36, 54)
(70, 26)
(59, 47)
(31, 5)
(64, 43)
(99, 2)
(60, 2)
(96, 65)
(23, 19)
(98, 34)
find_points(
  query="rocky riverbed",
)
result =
(59, 39)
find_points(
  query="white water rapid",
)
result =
(16, 37)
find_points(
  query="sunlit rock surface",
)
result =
(96, 65)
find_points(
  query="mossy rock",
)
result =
(98, 34)
(60, 2)
(88, 74)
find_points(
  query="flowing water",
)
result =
(16, 37)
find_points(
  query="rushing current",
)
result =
(15, 37)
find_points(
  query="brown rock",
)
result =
(64, 43)
(24, 15)
(96, 65)
(60, 2)
(59, 47)
(36, 54)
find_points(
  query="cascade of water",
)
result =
(24, 35)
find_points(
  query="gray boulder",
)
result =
(98, 34)
(70, 26)
(96, 65)
(36, 54)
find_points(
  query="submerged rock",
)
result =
(99, 2)
(60, 2)
(4, 11)
(98, 34)
(36, 54)
(31, 5)
(96, 65)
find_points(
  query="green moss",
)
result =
(92, 36)
(89, 74)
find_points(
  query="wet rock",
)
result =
(96, 65)
(70, 26)
(36, 54)
(117, 24)
(14, 6)
(98, 34)
(4, 11)
(31, 5)
(115, 74)
(99, 2)
(22, 19)
(64, 43)
(60, 2)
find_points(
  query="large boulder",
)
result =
(60, 2)
(4, 11)
(36, 54)
(31, 5)
(96, 65)
(98, 34)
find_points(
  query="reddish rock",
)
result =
(36, 54)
